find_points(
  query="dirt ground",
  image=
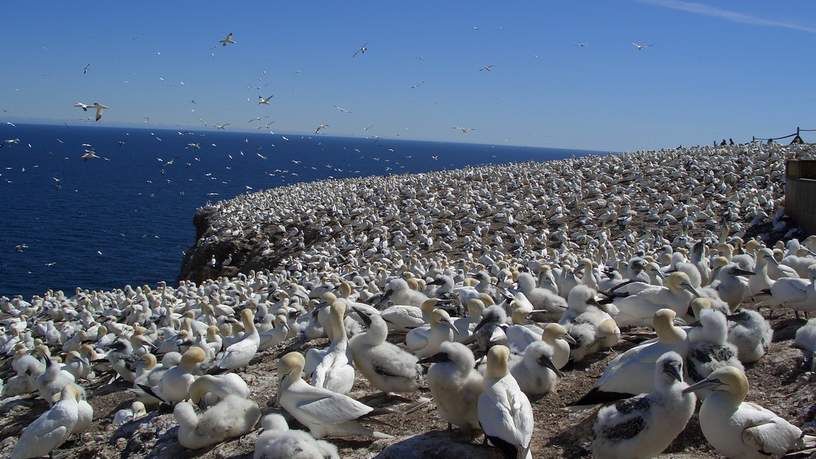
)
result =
(778, 382)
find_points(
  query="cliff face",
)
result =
(265, 248)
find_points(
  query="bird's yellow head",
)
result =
(497, 358)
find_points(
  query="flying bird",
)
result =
(640, 46)
(341, 109)
(264, 100)
(89, 154)
(221, 126)
(486, 68)
(227, 40)
(464, 129)
(361, 50)
(85, 70)
(99, 107)
(321, 127)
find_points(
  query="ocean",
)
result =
(126, 217)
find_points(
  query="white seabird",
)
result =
(505, 413)
(645, 425)
(52, 428)
(277, 441)
(740, 429)
(232, 417)
(455, 385)
(323, 412)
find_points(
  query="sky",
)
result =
(714, 69)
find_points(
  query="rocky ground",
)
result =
(778, 382)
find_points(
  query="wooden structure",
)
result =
(800, 193)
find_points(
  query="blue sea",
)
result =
(126, 218)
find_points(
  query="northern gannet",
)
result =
(441, 331)
(227, 40)
(632, 372)
(333, 370)
(211, 389)
(232, 417)
(638, 309)
(52, 428)
(708, 346)
(645, 425)
(386, 366)
(455, 385)
(323, 412)
(128, 415)
(277, 441)
(535, 373)
(238, 355)
(740, 429)
(175, 383)
(505, 413)
(806, 341)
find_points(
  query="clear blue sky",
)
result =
(716, 69)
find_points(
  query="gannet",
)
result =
(52, 428)
(708, 346)
(535, 373)
(232, 417)
(632, 372)
(238, 355)
(361, 50)
(455, 385)
(98, 107)
(128, 415)
(323, 412)
(333, 370)
(52, 381)
(806, 341)
(386, 366)
(541, 298)
(639, 309)
(402, 318)
(740, 429)
(793, 292)
(399, 292)
(175, 383)
(505, 413)
(277, 441)
(645, 425)
(750, 333)
(213, 388)
(441, 331)
(227, 40)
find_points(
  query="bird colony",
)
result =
(616, 307)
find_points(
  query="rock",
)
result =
(436, 445)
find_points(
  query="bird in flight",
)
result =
(227, 40)
(85, 70)
(486, 68)
(414, 86)
(435, 157)
(320, 128)
(341, 109)
(582, 45)
(640, 46)
(89, 154)
(264, 100)
(20, 247)
(464, 129)
(96, 105)
(221, 126)
(361, 50)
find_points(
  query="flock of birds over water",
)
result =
(468, 292)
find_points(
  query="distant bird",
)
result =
(227, 40)
(435, 157)
(194, 146)
(361, 50)
(89, 154)
(486, 68)
(85, 70)
(582, 45)
(221, 126)
(99, 107)
(414, 86)
(464, 129)
(264, 100)
(320, 128)
(640, 46)
(20, 247)
(84, 107)
(341, 109)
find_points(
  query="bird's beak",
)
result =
(547, 362)
(679, 322)
(704, 384)
(447, 323)
(669, 271)
(661, 274)
(691, 289)
(593, 301)
(569, 339)
(366, 320)
(742, 272)
(439, 281)
(480, 324)
(436, 358)
(675, 373)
